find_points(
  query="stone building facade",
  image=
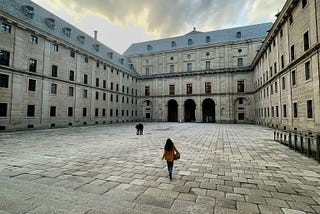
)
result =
(54, 75)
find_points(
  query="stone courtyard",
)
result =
(224, 168)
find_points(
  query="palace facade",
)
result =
(54, 75)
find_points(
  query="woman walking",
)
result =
(169, 155)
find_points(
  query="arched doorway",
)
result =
(208, 111)
(172, 111)
(189, 111)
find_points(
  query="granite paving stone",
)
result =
(224, 168)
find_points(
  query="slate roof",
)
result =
(200, 39)
(40, 20)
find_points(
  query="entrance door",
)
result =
(208, 111)
(189, 111)
(172, 111)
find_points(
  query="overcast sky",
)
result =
(122, 22)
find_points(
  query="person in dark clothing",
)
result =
(139, 128)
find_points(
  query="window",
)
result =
(117, 112)
(55, 47)
(117, 87)
(32, 65)
(295, 110)
(147, 71)
(281, 32)
(6, 28)
(304, 3)
(292, 52)
(4, 58)
(238, 35)
(104, 83)
(277, 111)
(171, 89)
(34, 39)
(271, 89)
(111, 86)
(282, 61)
(275, 68)
(96, 112)
(54, 71)
(284, 110)
(207, 65)
(70, 111)
(86, 59)
(52, 111)
(30, 110)
(189, 88)
(171, 68)
(309, 109)
(283, 83)
(85, 93)
(306, 41)
(207, 87)
(97, 82)
(71, 75)
(147, 90)
(3, 109)
(85, 79)
(240, 116)
(4, 81)
(111, 112)
(190, 42)
(272, 111)
(189, 67)
(208, 39)
(97, 95)
(84, 112)
(123, 89)
(240, 62)
(173, 44)
(307, 70)
(111, 97)
(290, 19)
(241, 86)
(104, 96)
(72, 54)
(103, 112)
(276, 87)
(70, 91)
(98, 64)
(293, 77)
(240, 100)
(32, 85)
(53, 88)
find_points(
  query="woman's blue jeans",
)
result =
(170, 166)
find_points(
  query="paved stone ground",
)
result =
(109, 169)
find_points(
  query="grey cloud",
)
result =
(165, 17)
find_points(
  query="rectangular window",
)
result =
(241, 86)
(207, 65)
(32, 85)
(34, 39)
(70, 111)
(309, 109)
(84, 112)
(189, 88)
(4, 58)
(53, 88)
(85, 93)
(54, 71)
(30, 110)
(306, 41)
(111, 86)
(290, 19)
(307, 70)
(240, 62)
(275, 68)
(147, 71)
(86, 60)
(111, 97)
(96, 112)
(276, 87)
(293, 77)
(97, 95)
(272, 111)
(123, 89)
(207, 86)
(277, 111)
(292, 53)
(97, 82)
(282, 61)
(55, 47)
(3, 109)
(6, 28)
(71, 91)
(295, 110)
(117, 87)
(98, 64)
(171, 68)
(71, 75)
(52, 111)
(284, 110)
(104, 84)
(32, 65)
(283, 83)
(117, 98)
(72, 54)
(104, 96)
(189, 67)
(4, 81)
(304, 3)
(271, 89)
(85, 79)
(147, 91)
(171, 89)
(103, 112)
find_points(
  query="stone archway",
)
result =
(172, 111)
(189, 111)
(208, 111)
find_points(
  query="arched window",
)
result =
(208, 39)
(173, 44)
(190, 42)
(149, 47)
(238, 35)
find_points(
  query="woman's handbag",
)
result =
(177, 156)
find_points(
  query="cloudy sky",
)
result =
(122, 22)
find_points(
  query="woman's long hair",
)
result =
(169, 145)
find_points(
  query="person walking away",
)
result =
(169, 154)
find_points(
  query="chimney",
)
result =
(95, 35)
